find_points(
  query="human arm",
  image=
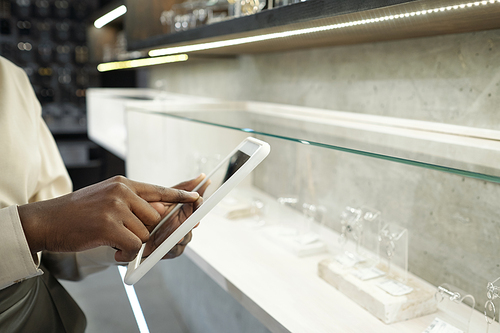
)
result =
(114, 213)
(75, 266)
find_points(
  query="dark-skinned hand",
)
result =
(164, 208)
(116, 213)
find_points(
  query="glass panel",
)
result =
(424, 144)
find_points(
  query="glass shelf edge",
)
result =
(430, 166)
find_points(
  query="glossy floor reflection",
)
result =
(103, 299)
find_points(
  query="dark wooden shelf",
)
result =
(315, 13)
(280, 16)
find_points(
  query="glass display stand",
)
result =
(295, 231)
(359, 228)
(393, 254)
(457, 307)
(333, 160)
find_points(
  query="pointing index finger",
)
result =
(156, 193)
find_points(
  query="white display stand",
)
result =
(370, 296)
(300, 246)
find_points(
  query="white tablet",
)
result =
(236, 166)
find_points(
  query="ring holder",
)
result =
(393, 256)
(287, 224)
(351, 237)
(258, 212)
(368, 245)
(294, 231)
(377, 277)
(456, 308)
(311, 214)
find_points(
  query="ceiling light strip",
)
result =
(110, 66)
(260, 38)
(112, 15)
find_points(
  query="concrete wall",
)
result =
(452, 79)
(455, 79)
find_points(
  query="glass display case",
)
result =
(433, 181)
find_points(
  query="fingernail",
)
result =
(194, 195)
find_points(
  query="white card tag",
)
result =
(440, 326)
(349, 259)
(368, 273)
(307, 239)
(395, 288)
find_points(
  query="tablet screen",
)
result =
(235, 162)
(225, 171)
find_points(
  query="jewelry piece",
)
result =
(388, 239)
(492, 292)
(442, 291)
(257, 207)
(351, 224)
(288, 201)
(342, 239)
(258, 210)
(370, 214)
(489, 306)
(389, 250)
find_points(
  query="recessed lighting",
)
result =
(112, 15)
(110, 66)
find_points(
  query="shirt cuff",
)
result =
(17, 262)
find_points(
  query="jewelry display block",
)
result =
(370, 296)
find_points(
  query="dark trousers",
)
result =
(39, 304)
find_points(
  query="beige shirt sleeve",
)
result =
(31, 169)
(16, 262)
(19, 164)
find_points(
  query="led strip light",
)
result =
(260, 38)
(109, 66)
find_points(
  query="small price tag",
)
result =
(368, 273)
(395, 288)
(440, 326)
(307, 239)
(349, 259)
